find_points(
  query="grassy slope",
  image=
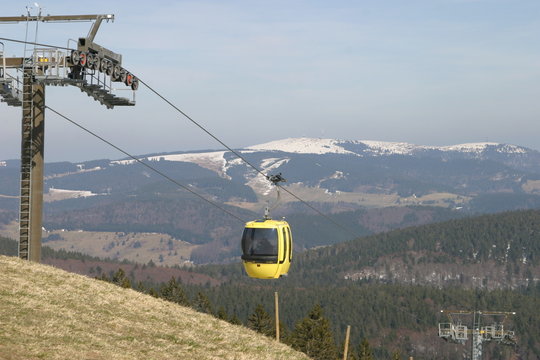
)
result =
(47, 313)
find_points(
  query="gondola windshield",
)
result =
(260, 244)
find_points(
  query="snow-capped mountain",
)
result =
(219, 161)
(364, 172)
(302, 146)
(369, 147)
(275, 155)
(334, 175)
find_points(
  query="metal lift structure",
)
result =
(457, 331)
(90, 67)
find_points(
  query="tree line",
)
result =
(313, 320)
(389, 316)
(312, 334)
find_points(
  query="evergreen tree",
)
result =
(365, 352)
(173, 291)
(235, 320)
(153, 292)
(313, 336)
(103, 277)
(203, 304)
(119, 278)
(140, 287)
(261, 322)
(222, 314)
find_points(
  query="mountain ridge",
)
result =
(306, 145)
(337, 176)
(320, 146)
(329, 164)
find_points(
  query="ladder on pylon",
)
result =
(26, 165)
(27, 145)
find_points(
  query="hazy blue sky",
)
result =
(430, 72)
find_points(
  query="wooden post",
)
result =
(276, 300)
(347, 335)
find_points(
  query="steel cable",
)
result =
(145, 164)
(236, 153)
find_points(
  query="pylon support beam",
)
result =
(32, 160)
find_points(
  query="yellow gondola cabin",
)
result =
(267, 248)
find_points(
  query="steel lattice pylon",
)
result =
(91, 67)
(457, 331)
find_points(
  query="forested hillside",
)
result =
(92, 266)
(488, 251)
(367, 186)
(395, 284)
(388, 321)
(390, 287)
(392, 317)
(501, 250)
(217, 234)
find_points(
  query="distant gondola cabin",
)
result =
(267, 248)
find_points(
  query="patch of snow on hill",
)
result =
(469, 147)
(80, 170)
(229, 164)
(73, 193)
(338, 175)
(213, 161)
(402, 148)
(512, 149)
(259, 182)
(63, 194)
(270, 164)
(122, 162)
(389, 148)
(303, 146)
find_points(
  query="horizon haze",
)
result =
(435, 73)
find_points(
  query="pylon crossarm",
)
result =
(54, 18)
